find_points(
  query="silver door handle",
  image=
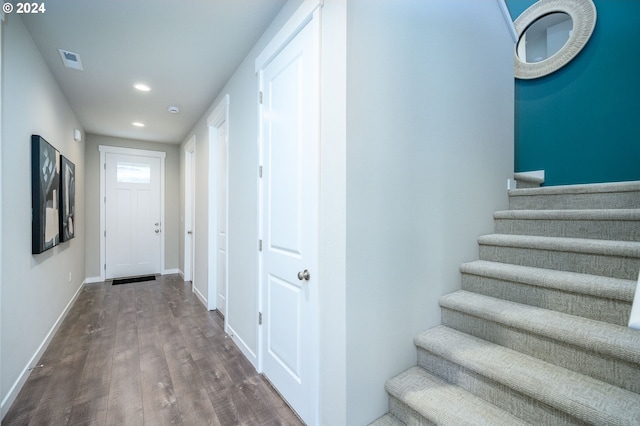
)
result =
(304, 275)
(157, 231)
(189, 232)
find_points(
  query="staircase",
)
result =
(537, 335)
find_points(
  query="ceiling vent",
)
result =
(70, 59)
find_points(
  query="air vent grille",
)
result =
(70, 59)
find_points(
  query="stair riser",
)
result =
(614, 371)
(406, 414)
(586, 263)
(596, 308)
(522, 406)
(593, 229)
(525, 184)
(585, 201)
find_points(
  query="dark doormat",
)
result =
(134, 280)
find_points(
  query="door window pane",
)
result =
(133, 173)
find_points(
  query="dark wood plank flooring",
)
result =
(145, 354)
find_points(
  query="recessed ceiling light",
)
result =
(173, 109)
(142, 87)
(138, 124)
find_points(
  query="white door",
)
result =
(289, 277)
(132, 206)
(221, 219)
(189, 211)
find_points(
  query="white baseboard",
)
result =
(92, 280)
(181, 273)
(171, 271)
(246, 351)
(201, 297)
(24, 375)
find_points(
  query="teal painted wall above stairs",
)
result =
(581, 124)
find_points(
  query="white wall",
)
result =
(35, 288)
(171, 226)
(333, 223)
(430, 147)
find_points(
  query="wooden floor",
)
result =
(145, 354)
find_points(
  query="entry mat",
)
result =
(134, 280)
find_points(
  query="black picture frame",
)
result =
(67, 199)
(45, 187)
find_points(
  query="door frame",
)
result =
(104, 150)
(189, 210)
(219, 117)
(3, 408)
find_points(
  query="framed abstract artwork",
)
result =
(67, 198)
(45, 195)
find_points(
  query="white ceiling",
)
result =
(185, 50)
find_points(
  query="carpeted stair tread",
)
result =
(617, 259)
(572, 245)
(590, 188)
(568, 341)
(587, 399)
(595, 336)
(593, 285)
(623, 195)
(603, 224)
(590, 296)
(443, 403)
(568, 214)
(387, 420)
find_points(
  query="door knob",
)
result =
(304, 275)
(189, 232)
(157, 231)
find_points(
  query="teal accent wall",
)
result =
(581, 124)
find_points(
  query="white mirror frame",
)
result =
(583, 14)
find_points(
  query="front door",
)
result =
(289, 277)
(133, 229)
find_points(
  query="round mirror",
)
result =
(545, 37)
(550, 34)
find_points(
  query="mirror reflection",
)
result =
(545, 37)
